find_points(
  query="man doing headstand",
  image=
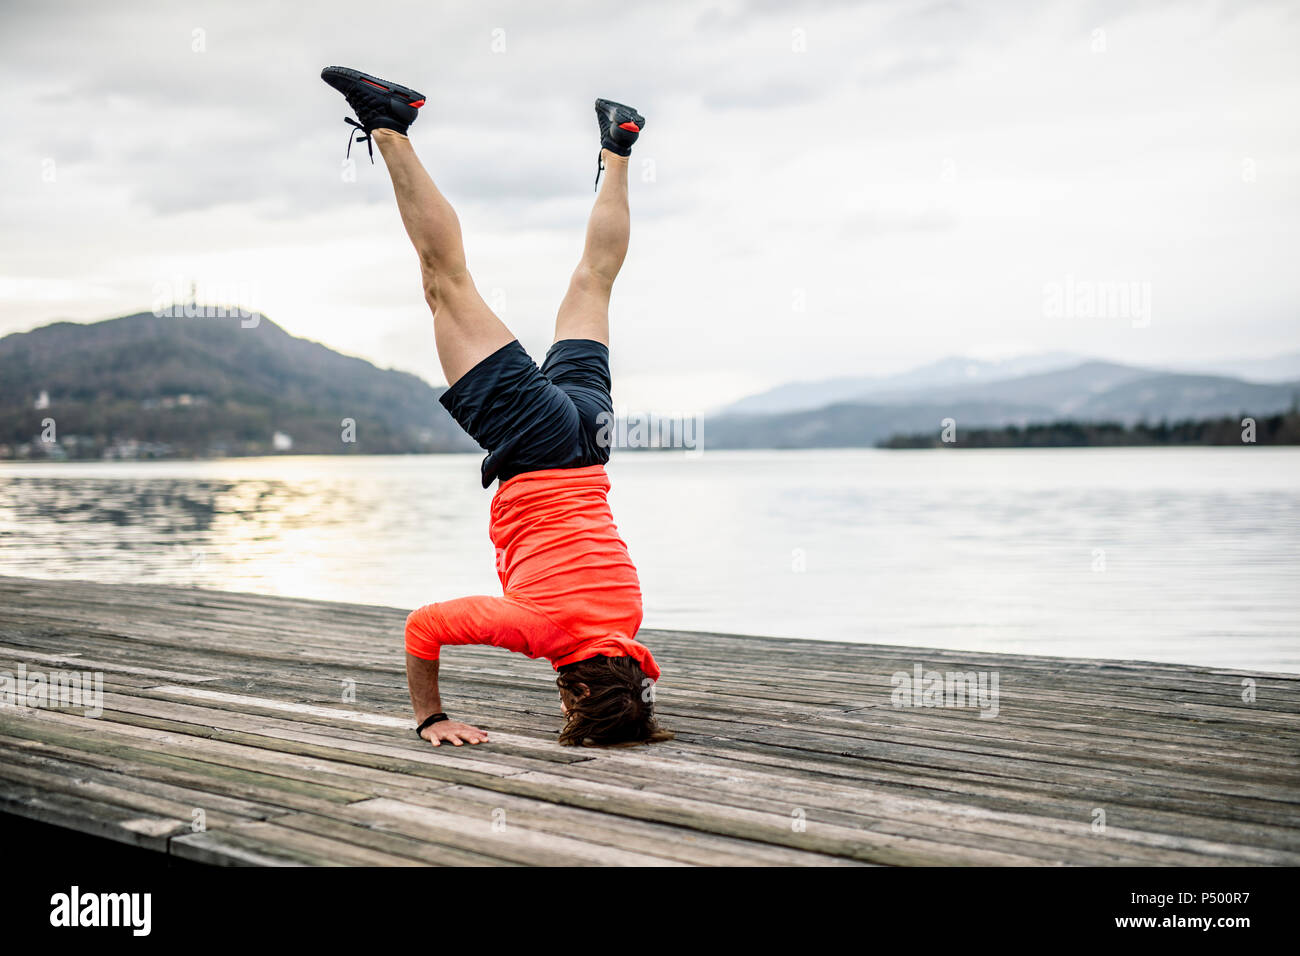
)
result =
(571, 592)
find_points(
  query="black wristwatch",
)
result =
(431, 719)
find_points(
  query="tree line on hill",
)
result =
(1283, 429)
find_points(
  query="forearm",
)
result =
(422, 681)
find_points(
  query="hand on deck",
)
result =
(454, 732)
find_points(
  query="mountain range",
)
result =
(226, 385)
(801, 396)
(951, 373)
(975, 394)
(145, 385)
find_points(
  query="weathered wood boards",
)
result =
(243, 729)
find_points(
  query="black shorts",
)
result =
(530, 419)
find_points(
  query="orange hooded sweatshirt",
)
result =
(571, 590)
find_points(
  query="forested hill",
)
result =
(159, 386)
(1281, 429)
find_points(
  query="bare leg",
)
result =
(584, 313)
(465, 330)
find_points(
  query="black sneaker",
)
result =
(619, 128)
(378, 103)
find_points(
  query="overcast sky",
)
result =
(822, 188)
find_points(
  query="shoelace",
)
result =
(600, 164)
(364, 137)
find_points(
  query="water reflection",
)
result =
(1163, 554)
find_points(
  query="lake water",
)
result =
(1170, 554)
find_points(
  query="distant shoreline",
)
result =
(1245, 430)
(922, 443)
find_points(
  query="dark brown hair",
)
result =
(610, 702)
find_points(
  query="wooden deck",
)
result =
(230, 709)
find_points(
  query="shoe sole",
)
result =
(636, 117)
(408, 95)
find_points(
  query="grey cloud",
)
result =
(763, 94)
(248, 120)
(880, 222)
(765, 158)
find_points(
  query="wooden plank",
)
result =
(271, 843)
(205, 705)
